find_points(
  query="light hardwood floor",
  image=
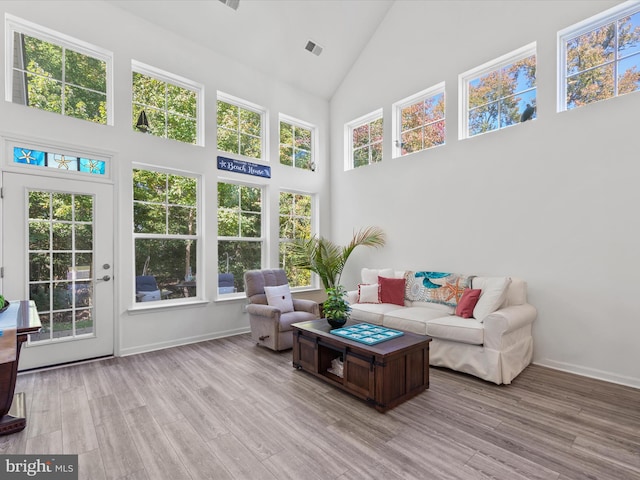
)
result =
(226, 409)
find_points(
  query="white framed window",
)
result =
(166, 235)
(599, 58)
(297, 143)
(166, 105)
(242, 128)
(498, 94)
(364, 140)
(54, 72)
(296, 222)
(419, 121)
(241, 237)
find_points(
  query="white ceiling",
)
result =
(270, 35)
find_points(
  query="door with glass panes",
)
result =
(57, 251)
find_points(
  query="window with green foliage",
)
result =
(56, 73)
(295, 224)
(600, 57)
(169, 103)
(165, 231)
(296, 144)
(364, 137)
(240, 127)
(499, 93)
(419, 121)
(240, 237)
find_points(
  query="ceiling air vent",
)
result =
(231, 3)
(313, 48)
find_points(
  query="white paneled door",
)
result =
(57, 250)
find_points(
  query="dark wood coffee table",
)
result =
(384, 375)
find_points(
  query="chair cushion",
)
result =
(286, 319)
(279, 297)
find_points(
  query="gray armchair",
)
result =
(269, 326)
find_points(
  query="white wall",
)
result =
(130, 38)
(553, 201)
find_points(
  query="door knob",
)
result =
(106, 278)
(106, 266)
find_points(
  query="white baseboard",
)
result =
(150, 347)
(590, 372)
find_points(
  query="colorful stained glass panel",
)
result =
(57, 160)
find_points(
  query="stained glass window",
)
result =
(38, 158)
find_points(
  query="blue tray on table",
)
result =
(367, 333)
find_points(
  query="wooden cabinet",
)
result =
(384, 375)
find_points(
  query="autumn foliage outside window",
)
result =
(603, 62)
(421, 121)
(366, 135)
(502, 94)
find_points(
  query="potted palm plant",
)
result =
(327, 260)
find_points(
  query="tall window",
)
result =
(240, 127)
(165, 231)
(499, 93)
(296, 144)
(57, 73)
(240, 237)
(364, 138)
(419, 121)
(166, 105)
(295, 224)
(600, 57)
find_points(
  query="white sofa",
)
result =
(496, 347)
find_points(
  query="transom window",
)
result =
(166, 235)
(240, 233)
(240, 127)
(364, 140)
(60, 161)
(499, 94)
(166, 105)
(57, 73)
(295, 224)
(296, 144)
(419, 121)
(600, 57)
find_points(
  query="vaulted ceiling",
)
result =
(271, 35)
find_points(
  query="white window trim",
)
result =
(264, 131)
(263, 229)
(200, 252)
(179, 81)
(592, 23)
(348, 134)
(15, 24)
(314, 137)
(466, 77)
(396, 121)
(315, 279)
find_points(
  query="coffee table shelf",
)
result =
(384, 375)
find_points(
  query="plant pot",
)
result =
(337, 322)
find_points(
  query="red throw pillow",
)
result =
(467, 302)
(391, 290)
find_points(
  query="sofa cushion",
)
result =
(370, 312)
(457, 329)
(368, 293)
(411, 319)
(370, 275)
(279, 297)
(494, 293)
(391, 290)
(469, 299)
(436, 287)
